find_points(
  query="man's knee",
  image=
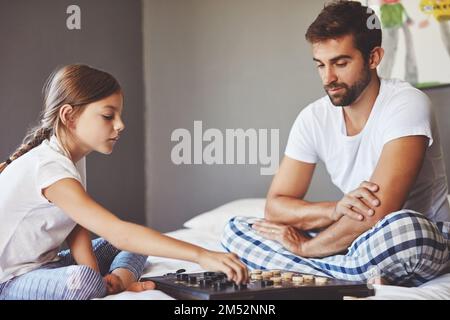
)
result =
(83, 283)
(410, 226)
(415, 241)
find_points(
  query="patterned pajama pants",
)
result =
(64, 280)
(405, 248)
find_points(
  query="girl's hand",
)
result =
(228, 263)
(290, 237)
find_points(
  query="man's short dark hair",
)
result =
(341, 18)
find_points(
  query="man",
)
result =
(380, 145)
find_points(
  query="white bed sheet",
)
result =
(438, 288)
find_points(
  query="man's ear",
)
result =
(66, 114)
(375, 57)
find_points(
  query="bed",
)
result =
(205, 230)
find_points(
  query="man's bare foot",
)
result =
(377, 280)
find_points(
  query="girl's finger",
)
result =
(238, 270)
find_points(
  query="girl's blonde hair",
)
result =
(76, 85)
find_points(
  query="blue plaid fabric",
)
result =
(405, 248)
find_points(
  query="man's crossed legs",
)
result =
(404, 248)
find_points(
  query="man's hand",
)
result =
(358, 203)
(291, 238)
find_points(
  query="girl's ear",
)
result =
(66, 116)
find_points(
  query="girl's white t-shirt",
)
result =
(319, 133)
(32, 229)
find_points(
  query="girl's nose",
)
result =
(119, 125)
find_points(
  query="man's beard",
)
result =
(350, 93)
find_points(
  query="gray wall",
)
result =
(231, 64)
(35, 40)
(441, 103)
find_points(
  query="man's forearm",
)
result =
(336, 238)
(299, 213)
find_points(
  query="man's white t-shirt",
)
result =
(319, 133)
(31, 228)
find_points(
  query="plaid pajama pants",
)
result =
(405, 248)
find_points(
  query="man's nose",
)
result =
(329, 76)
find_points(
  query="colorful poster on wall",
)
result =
(416, 40)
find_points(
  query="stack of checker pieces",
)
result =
(277, 278)
(263, 285)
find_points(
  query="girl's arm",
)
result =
(79, 242)
(69, 195)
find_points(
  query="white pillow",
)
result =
(216, 219)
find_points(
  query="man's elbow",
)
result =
(269, 210)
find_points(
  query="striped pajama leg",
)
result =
(110, 258)
(64, 280)
(404, 247)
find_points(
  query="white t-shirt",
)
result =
(31, 228)
(319, 133)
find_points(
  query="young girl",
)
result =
(43, 203)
